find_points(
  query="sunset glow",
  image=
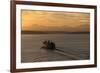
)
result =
(55, 21)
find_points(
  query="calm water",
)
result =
(76, 47)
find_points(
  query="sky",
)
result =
(33, 20)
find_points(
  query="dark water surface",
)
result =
(75, 47)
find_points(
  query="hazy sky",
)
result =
(55, 21)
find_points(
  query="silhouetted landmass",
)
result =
(52, 32)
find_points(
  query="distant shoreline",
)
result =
(52, 32)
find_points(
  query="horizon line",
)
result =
(49, 32)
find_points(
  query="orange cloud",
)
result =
(54, 21)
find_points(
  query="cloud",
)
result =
(55, 21)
